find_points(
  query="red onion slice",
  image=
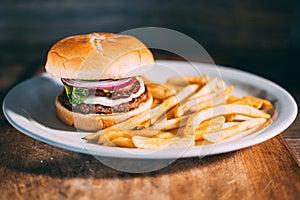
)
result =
(99, 85)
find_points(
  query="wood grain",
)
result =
(30, 169)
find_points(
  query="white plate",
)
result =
(29, 107)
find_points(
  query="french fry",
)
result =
(171, 112)
(148, 132)
(254, 102)
(179, 110)
(108, 137)
(232, 99)
(201, 142)
(186, 80)
(170, 102)
(160, 91)
(156, 102)
(234, 130)
(230, 117)
(153, 114)
(144, 124)
(186, 92)
(171, 123)
(176, 88)
(159, 143)
(165, 134)
(195, 119)
(209, 126)
(265, 103)
(116, 139)
(105, 141)
(213, 85)
(115, 133)
(121, 138)
(197, 104)
(245, 101)
(125, 125)
(123, 142)
(217, 99)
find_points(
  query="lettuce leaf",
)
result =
(76, 95)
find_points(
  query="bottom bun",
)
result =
(94, 122)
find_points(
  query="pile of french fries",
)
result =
(187, 111)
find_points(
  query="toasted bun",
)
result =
(97, 56)
(93, 122)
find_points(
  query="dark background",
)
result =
(260, 36)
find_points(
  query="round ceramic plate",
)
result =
(29, 107)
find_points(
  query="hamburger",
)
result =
(101, 78)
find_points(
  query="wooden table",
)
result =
(30, 169)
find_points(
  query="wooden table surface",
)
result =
(30, 169)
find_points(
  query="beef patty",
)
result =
(101, 109)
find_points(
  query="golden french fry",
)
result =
(125, 125)
(172, 123)
(148, 132)
(195, 119)
(209, 126)
(117, 138)
(246, 111)
(186, 80)
(176, 88)
(217, 99)
(245, 101)
(160, 91)
(144, 124)
(205, 130)
(251, 101)
(197, 104)
(156, 102)
(230, 117)
(171, 112)
(170, 102)
(265, 103)
(203, 100)
(234, 130)
(213, 85)
(199, 142)
(159, 143)
(186, 92)
(123, 142)
(232, 99)
(153, 114)
(108, 137)
(104, 140)
(179, 110)
(165, 134)
(115, 133)
(255, 102)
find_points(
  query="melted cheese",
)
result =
(110, 102)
